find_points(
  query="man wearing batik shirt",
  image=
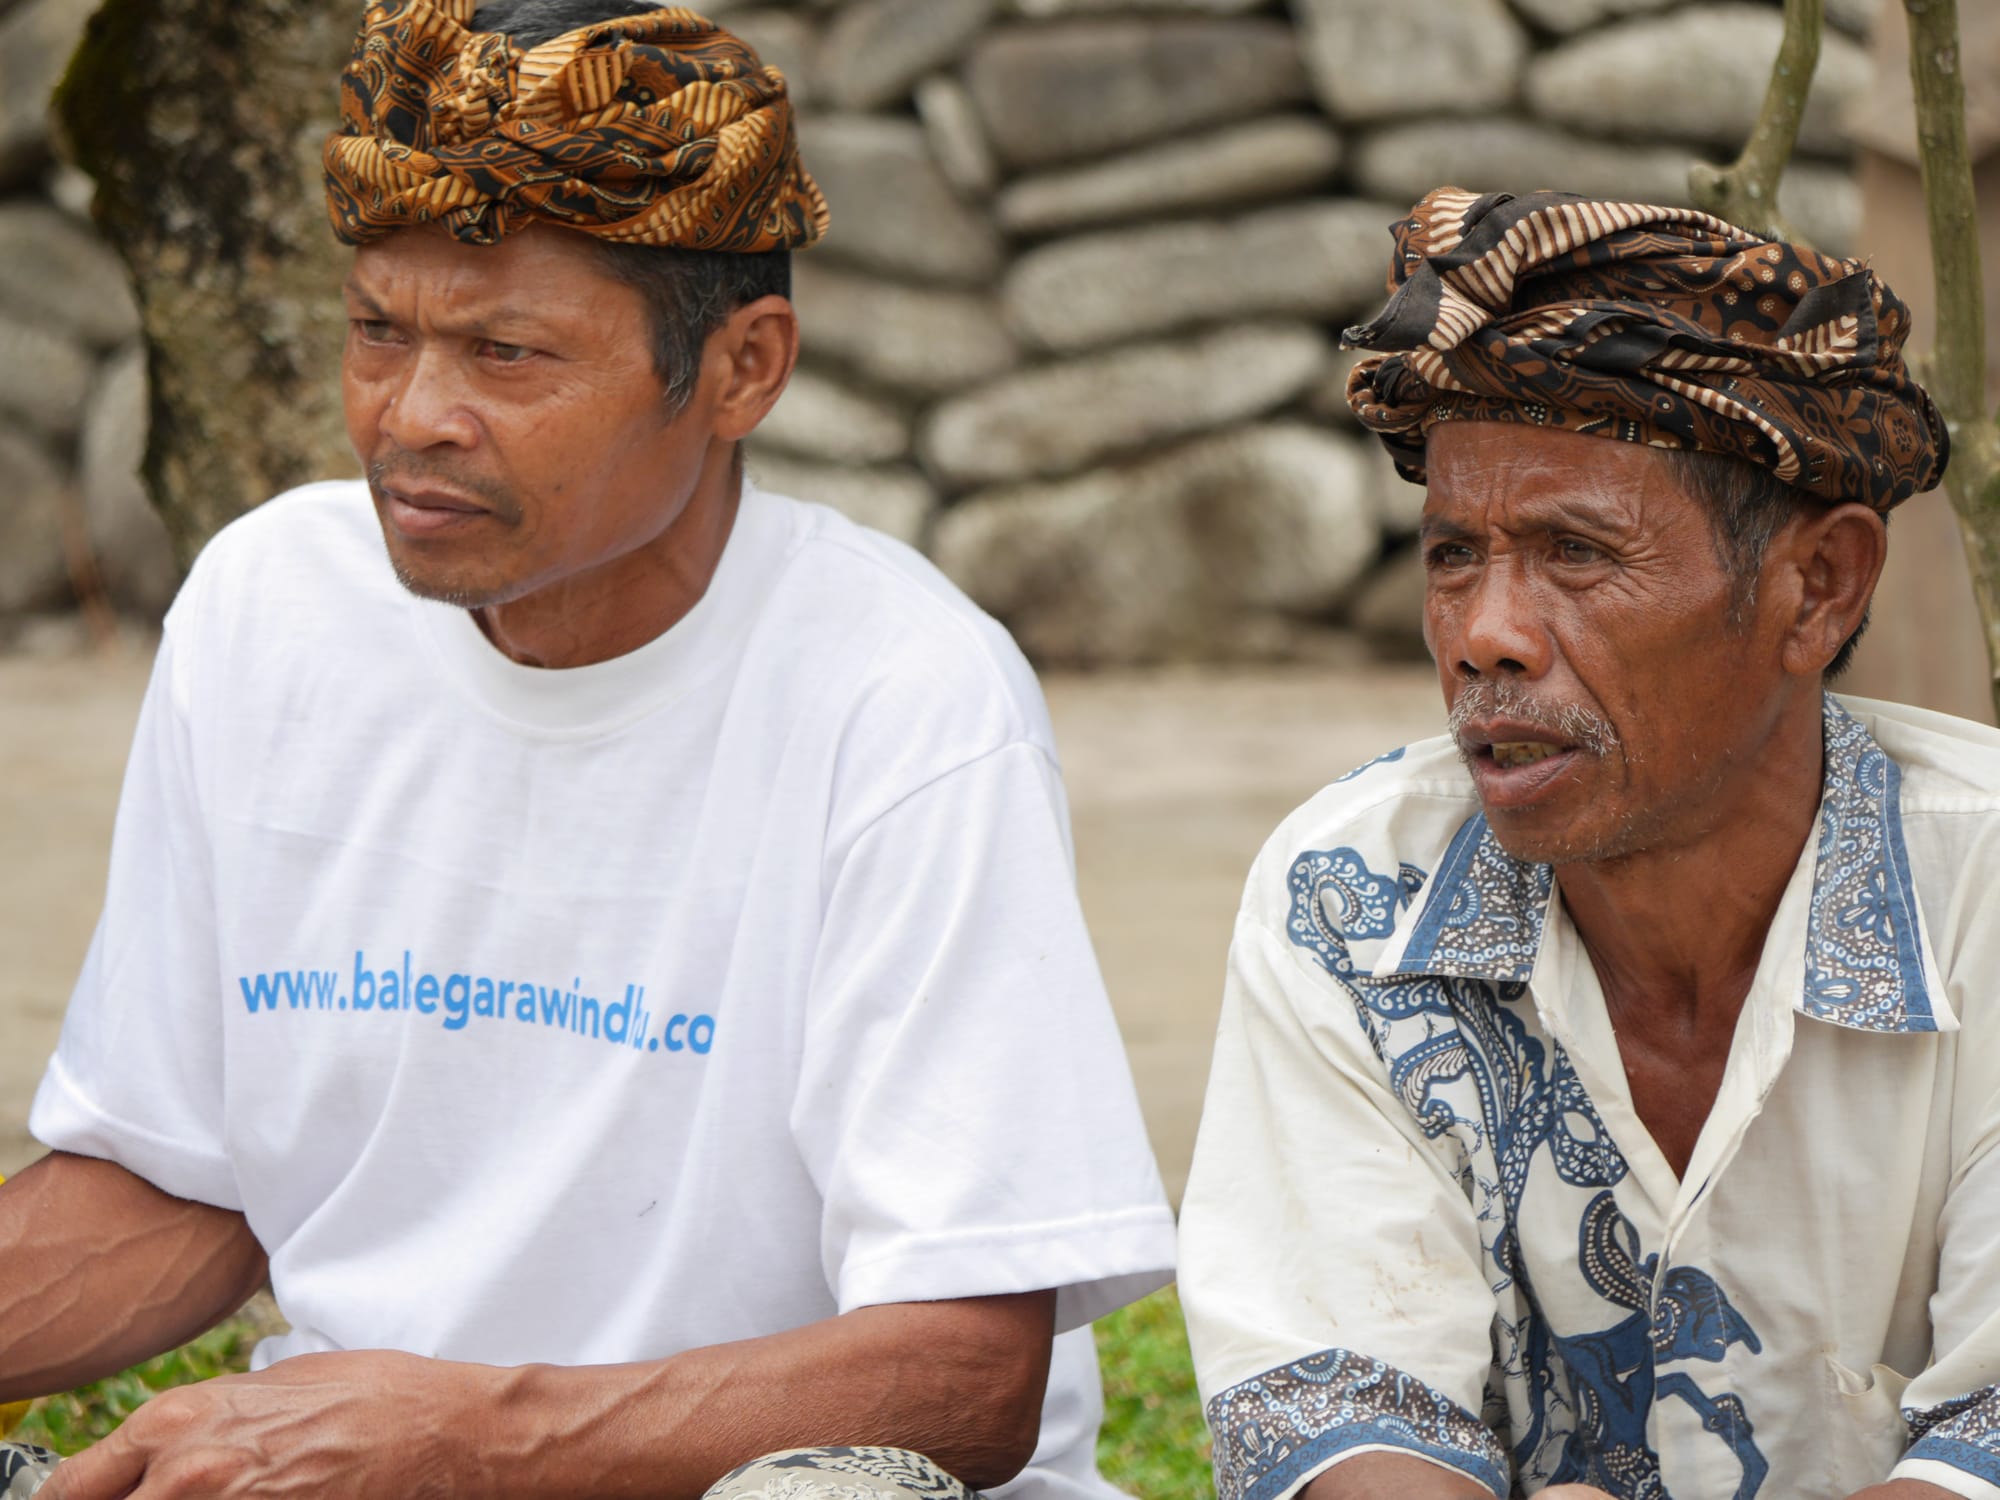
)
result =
(1606, 1096)
(598, 935)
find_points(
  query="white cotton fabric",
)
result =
(1413, 1034)
(709, 991)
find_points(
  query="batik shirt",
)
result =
(1424, 1216)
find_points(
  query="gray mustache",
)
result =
(1564, 723)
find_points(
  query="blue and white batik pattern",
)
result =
(24, 1469)
(1601, 1340)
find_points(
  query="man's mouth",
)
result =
(1511, 753)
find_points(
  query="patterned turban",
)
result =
(653, 129)
(1652, 325)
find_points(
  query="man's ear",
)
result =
(1831, 560)
(750, 360)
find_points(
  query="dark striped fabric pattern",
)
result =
(1650, 325)
(654, 129)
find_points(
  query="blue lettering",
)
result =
(618, 1018)
(260, 990)
(364, 984)
(427, 994)
(457, 1001)
(701, 1034)
(555, 1007)
(674, 1024)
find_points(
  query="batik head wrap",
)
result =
(1653, 325)
(653, 129)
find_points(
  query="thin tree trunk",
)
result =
(1957, 371)
(1746, 191)
(201, 121)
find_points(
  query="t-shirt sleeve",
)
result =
(965, 1106)
(1330, 1259)
(137, 1075)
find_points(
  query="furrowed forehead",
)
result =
(1519, 477)
(532, 280)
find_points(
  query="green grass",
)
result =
(72, 1423)
(1153, 1444)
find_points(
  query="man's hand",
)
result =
(960, 1381)
(364, 1424)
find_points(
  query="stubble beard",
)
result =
(456, 591)
(1573, 724)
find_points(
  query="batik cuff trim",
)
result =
(1959, 1467)
(1981, 1462)
(1278, 1429)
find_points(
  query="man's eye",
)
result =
(1449, 555)
(1573, 550)
(374, 330)
(506, 354)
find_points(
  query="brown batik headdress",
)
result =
(1653, 325)
(652, 129)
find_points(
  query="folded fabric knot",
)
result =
(1652, 325)
(654, 129)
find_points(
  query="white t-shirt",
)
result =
(589, 1016)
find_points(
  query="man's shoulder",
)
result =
(1394, 814)
(314, 539)
(1947, 765)
(880, 615)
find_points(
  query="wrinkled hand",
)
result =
(364, 1425)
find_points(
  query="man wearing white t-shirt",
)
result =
(598, 936)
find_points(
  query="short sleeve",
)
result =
(1330, 1259)
(137, 1075)
(1953, 1407)
(964, 1105)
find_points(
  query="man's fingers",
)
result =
(109, 1471)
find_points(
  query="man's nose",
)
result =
(427, 405)
(1500, 632)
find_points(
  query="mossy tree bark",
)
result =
(201, 121)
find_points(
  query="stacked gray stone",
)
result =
(73, 517)
(1075, 330)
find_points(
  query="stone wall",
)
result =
(74, 521)
(1074, 332)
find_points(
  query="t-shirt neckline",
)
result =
(605, 695)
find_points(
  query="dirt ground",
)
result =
(1175, 779)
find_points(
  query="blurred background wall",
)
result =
(1074, 331)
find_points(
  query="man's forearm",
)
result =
(961, 1382)
(99, 1269)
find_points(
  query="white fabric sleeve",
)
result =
(137, 1075)
(1953, 1407)
(964, 1104)
(1330, 1259)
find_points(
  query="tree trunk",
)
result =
(1957, 369)
(202, 121)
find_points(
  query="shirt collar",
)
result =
(1868, 963)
